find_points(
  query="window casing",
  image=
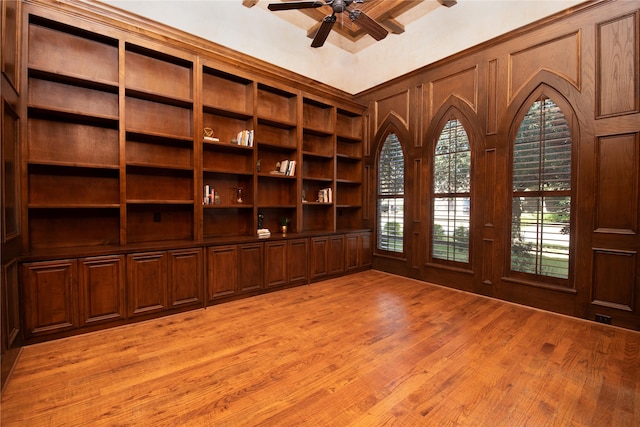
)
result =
(541, 194)
(451, 217)
(390, 196)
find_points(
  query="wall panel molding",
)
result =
(617, 180)
(614, 276)
(560, 56)
(617, 52)
(463, 84)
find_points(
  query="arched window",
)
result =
(541, 202)
(390, 196)
(451, 194)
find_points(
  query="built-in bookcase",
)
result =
(228, 164)
(159, 153)
(277, 141)
(72, 147)
(125, 135)
(318, 165)
(349, 170)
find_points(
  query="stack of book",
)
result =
(285, 167)
(325, 195)
(263, 233)
(245, 138)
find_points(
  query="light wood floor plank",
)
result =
(363, 350)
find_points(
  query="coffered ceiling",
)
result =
(393, 15)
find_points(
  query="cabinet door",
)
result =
(365, 250)
(250, 269)
(275, 264)
(10, 305)
(298, 260)
(185, 277)
(319, 249)
(335, 255)
(147, 282)
(101, 287)
(352, 261)
(50, 296)
(221, 271)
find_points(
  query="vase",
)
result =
(284, 229)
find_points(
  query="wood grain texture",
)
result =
(365, 349)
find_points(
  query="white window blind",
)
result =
(541, 206)
(390, 196)
(451, 194)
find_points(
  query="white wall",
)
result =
(266, 36)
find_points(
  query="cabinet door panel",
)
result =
(352, 261)
(365, 250)
(185, 277)
(319, 248)
(275, 265)
(221, 271)
(250, 269)
(298, 251)
(101, 287)
(335, 255)
(147, 282)
(50, 300)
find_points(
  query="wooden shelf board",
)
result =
(73, 79)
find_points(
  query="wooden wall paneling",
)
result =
(617, 74)
(418, 102)
(398, 104)
(101, 289)
(463, 84)
(10, 171)
(10, 51)
(146, 283)
(615, 280)
(560, 56)
(488, 203)
(11, 313)
(492, 97)
(618, 180)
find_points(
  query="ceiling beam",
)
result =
(394, 26)
(448, 3)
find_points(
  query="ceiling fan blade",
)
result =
(323, 31)
(365, 22)
(295, 5)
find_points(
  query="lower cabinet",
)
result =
(147, 282)
(101, 289)
(358, 251)
(185, 277)
(233, 269)
(158, 281)
(286, 262)
(60, 296)
(327, 256)
(50, 297)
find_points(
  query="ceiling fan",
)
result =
(357, 16)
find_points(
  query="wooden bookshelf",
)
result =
(115, 164)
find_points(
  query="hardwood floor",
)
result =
(366, 349)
